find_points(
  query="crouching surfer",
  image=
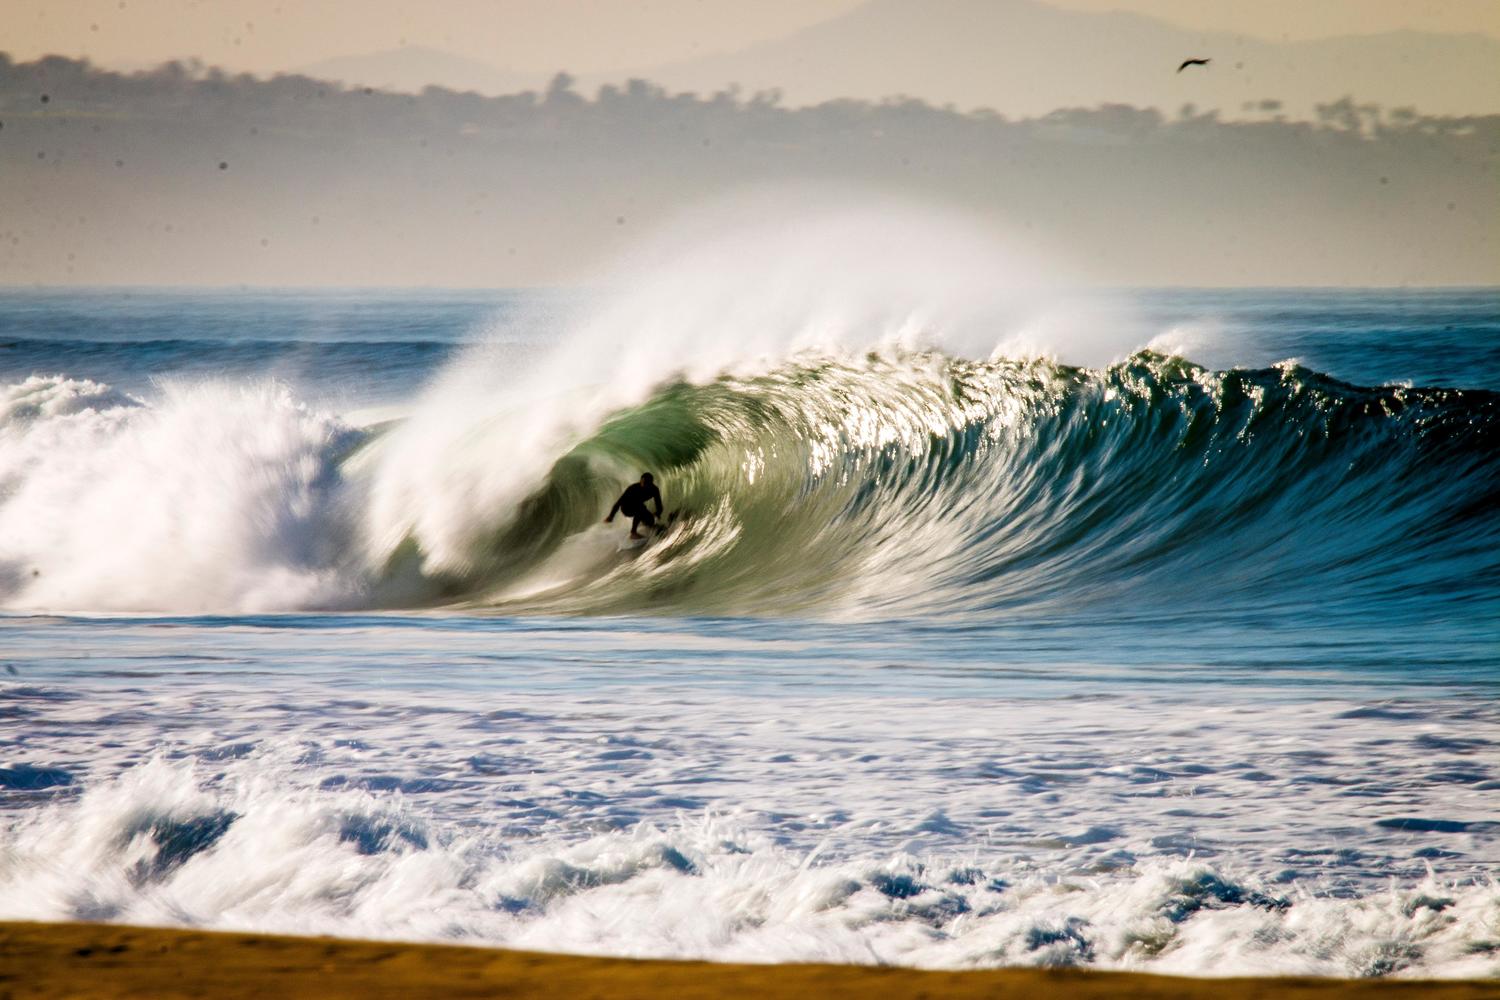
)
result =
(632, 504)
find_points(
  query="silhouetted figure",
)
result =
(1193, 62)
(632, 504)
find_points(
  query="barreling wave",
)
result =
(909, 485)
(892, 485)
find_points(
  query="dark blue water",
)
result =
(1370, 337)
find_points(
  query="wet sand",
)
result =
(98, 960)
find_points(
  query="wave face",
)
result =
(892, 485)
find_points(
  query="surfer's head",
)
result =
(645, 479)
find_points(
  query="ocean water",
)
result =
(1159, 629)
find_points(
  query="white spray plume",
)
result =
(235, 498)
(214, 498)
(734, 287)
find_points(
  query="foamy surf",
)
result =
(919, 832)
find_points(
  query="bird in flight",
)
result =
(1192, 62)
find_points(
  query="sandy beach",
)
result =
(97, 960)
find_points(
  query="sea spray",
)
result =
(737, 288)
(211, 498)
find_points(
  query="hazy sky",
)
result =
(287, 182)
(584, 36)
(274, 183)
(1291, 20)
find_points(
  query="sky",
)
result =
(586, 36)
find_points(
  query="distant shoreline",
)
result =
(40, 960)
(186, 172)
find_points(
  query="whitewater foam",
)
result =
(213, 497)
(922, 832)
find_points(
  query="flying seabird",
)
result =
(1192, 62)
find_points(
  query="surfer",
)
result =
(632, 504)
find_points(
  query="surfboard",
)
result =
(652, 534)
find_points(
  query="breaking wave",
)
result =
(896, 483)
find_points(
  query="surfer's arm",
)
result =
(656, 499)
(614, 510)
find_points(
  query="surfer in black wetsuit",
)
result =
(632, 504)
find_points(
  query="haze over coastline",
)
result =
(1016, 56)
(324, 145)
(186, 175)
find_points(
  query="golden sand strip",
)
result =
(106, 961)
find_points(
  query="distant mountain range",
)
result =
(1026, 57)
